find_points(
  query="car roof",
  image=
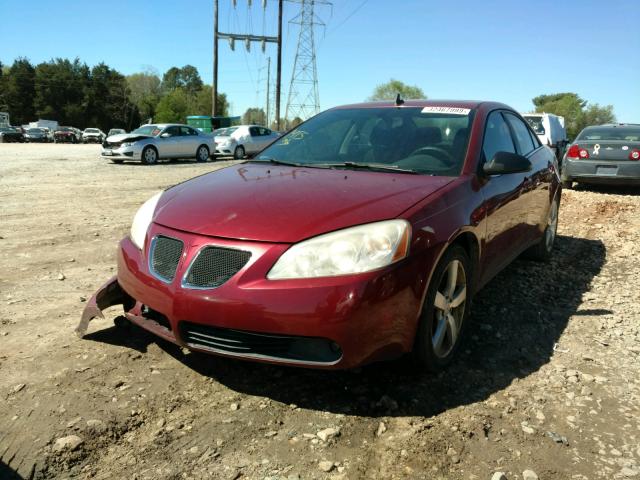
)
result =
(615, 125)
(165, 125)
(471, 104)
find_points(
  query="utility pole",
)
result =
(268, 99)
(247, 39)
(303, 100)
(214, 90)
(279, 67)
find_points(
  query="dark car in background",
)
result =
(605, 155)
(360, 235)
(67, 135)
(36, 135)
(11, 134)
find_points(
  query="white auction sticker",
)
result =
(451, 110)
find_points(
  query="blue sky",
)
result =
(507, 50)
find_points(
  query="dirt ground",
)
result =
(548, 379)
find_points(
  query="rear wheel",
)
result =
(202, 155)
(445, 309)
(149, 156)
(542, 250)
(239, 152)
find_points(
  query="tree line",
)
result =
(74, 94)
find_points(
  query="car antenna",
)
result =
(399, 101)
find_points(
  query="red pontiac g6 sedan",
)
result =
(358, 236)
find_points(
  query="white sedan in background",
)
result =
(243, 140)
(151, 143)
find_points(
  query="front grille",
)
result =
(165, 255)
(213, 266)
(260, 345)
(114, 145)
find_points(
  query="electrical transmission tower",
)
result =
(303, 100)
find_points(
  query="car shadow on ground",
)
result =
(516, 323)
(7, 473)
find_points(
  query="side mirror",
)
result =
(165, 135)
(507, 162)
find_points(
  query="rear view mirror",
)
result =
(506, 162)
(165, 135)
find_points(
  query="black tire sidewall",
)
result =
(423, 354)
(239, 148)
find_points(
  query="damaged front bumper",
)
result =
(108, 295)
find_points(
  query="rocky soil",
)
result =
(547, 385)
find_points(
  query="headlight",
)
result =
(352, 250)
(127, 144)
(142, 220)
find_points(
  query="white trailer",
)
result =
(50, 124)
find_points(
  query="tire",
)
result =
(149, 156)
(444, 313)
(568, 184)
(542, 251)
(239, 152)
(202, 154)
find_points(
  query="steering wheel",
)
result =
(441, 154)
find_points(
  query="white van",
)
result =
(550, 130)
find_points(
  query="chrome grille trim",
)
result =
(164, 256)
(236, 259)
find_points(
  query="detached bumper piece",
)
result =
(108, 295)
(302, 350)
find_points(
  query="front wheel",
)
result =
(202, 155)
(149, 156)
(239, 152)
(444, 312)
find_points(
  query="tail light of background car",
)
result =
(576, 152)
(634, 154)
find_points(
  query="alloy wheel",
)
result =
(203, 154)
(150, 156)
(450, 302)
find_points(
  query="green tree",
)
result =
(202, 102)
(186, 77)
(19, 89)
(255, 116)
(389, 91)
(174, 107)
(145, 92)
(575, 110)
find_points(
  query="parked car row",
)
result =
(154, 142)
(59, 135)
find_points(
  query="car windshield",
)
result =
(91, 130)
(6, 129)
(410, 139)
(628, 134)
(152, 130)
(34, 130)
(536, 124)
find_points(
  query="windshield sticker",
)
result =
(451, 110)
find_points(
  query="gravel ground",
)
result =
(547, 385)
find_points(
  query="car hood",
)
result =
(288, 204)
(122, 137)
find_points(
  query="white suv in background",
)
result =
(243, 140)
(550, 130)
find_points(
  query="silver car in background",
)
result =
(243, 140)
(151, 143)
(605, 155)
(93, 135)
